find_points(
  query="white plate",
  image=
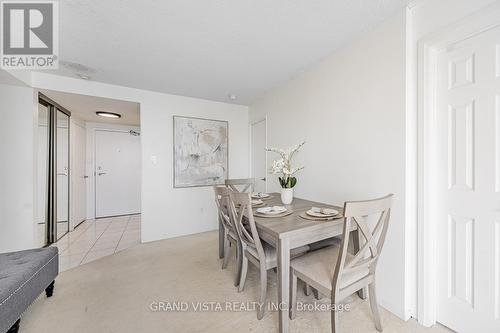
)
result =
(315, 213)
(260, 195)
(257, 202)
(271, 210)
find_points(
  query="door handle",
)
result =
(62, 174)
(263, 179)
(85, 177)
(101, 173)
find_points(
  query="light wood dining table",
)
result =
(292, 231)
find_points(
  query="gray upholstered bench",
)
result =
(24, 275)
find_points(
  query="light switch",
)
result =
(154, 159)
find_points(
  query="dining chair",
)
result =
(253, 250)
(333, 271)
(230, 235)
(241, 185)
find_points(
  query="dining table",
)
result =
(292, 231)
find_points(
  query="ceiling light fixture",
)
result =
(232, 97)
(108, 114)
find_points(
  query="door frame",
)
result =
(98, 127)
(429, 49)
(250, 144)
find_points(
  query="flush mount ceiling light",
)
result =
(108, 114)
(232, 97)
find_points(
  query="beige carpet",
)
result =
(114, 294)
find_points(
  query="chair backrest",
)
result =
(241, 211)
(222, 200)
(241, 185)
(371, 241)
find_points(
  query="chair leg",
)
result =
(227, 252)
(374, 306)
(293, 295)
(244, 269)
(14, 328)
(263, 292)
(238, 266)
(317, 294)
(307, 289)
(49, 291)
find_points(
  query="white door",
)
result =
(468, 193)
(118, 173)
(78, 175)
(259, 155)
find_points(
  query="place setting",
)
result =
(273, 211)
(321, 214)
(261, 196)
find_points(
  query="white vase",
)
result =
(286, 196)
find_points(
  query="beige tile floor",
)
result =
(94, 239)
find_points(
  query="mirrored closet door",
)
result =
(52, 213)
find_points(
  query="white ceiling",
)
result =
(84, 107)
(209, 48)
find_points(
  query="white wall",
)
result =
(350, 110)
(168, 212)
(17, 175)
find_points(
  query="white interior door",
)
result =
(118, 173)
(259, 155)
(468, 123)
(78, 175)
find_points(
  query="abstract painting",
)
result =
(200, 152)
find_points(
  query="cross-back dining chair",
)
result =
(333, 271)
(253, 249)
(230, 235)
(241, 185)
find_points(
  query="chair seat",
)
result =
(319, 266)
(325, 243)
(271, 254)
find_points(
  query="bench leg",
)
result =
(15, 327)
(49, 291)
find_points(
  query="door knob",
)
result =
(85, 177)
(101, 173)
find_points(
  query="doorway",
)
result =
(258, 157)
(459, 217)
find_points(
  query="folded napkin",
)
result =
(272, 209)
(325, 211)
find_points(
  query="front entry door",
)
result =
(118, 173)
(468, 147)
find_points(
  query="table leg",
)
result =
(357, 239)
(283, 283)
(221, 240)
